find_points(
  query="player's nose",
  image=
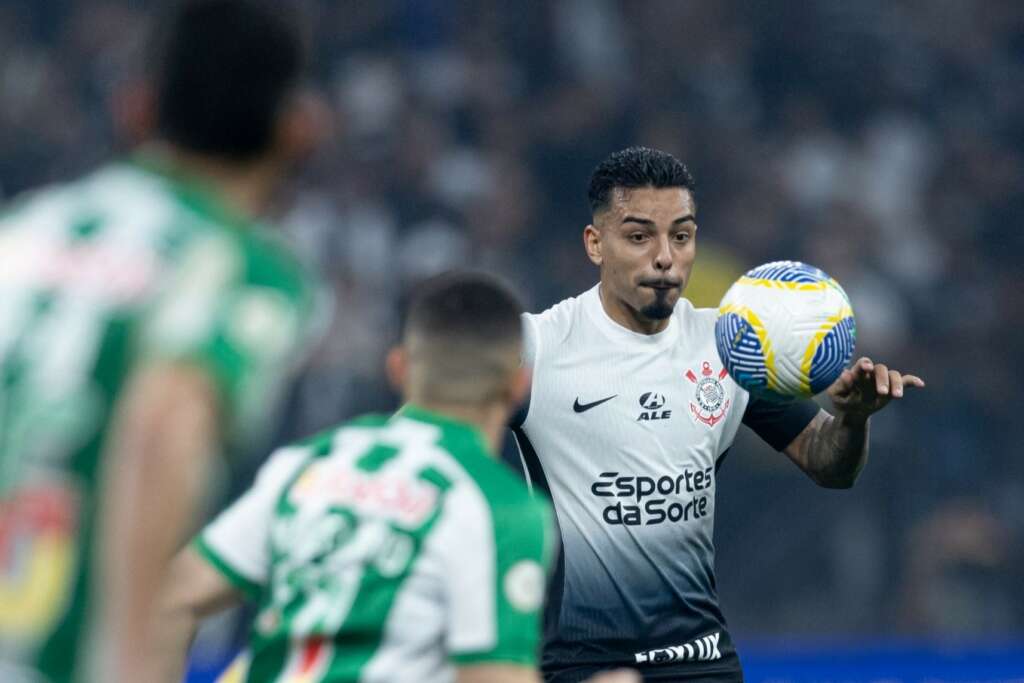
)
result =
(663, 254)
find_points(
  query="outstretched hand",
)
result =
(867, 387)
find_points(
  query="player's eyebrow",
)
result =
(648, 221)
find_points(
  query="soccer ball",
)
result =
(785, 330)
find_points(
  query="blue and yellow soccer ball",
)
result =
(785, 330)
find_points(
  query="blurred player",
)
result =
(146, 323)
(629, 419)
(391, 548)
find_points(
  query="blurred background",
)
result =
(880, 140)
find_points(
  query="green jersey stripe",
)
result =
(247, 586)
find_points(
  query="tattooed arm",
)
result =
(833, 450)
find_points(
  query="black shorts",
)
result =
(664, 674)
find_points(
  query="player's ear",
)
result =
(133, 108)
(304, 123)
(592, 243)
(396, 364)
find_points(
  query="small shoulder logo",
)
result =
(710, 404)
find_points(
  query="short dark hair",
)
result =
(467, 304)
(636, 167)
(222, 71)
(464, 333)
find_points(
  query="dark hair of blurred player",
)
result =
(461, 344)
(225, 74)
(643, 235)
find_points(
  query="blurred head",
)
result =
(461, 344)
(643, 235)
(226, 80)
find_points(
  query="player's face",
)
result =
(644, 243)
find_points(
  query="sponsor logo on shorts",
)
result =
(703, 649)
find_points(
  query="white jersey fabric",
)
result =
(625, 431)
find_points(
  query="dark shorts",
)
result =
(658, 675)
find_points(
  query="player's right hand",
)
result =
(617, 676)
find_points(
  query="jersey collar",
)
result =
(453, 428)
(617, 333)
(200, 197)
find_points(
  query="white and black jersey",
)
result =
(626, 432)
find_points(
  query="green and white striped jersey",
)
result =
(386, 550)
(126, 266)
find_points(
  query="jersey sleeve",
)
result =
(236, 542)
(244, 319)
(779, 423)
(531, 342)
(496, 562)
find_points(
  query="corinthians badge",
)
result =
(710, 404)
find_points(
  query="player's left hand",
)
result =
(867, 387)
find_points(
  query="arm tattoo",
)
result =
(835, 450)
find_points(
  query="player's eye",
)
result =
(682, 237)
(637, 237)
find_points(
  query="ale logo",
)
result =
(652, 405)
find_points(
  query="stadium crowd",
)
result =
(881, 141)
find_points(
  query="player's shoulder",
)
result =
(320, 444)
(493, 489)
(477, 473)
(557, 322)
(696, 319)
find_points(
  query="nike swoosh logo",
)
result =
(584, 407)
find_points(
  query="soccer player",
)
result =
(629, 418)
(147, 321)
(391, 548)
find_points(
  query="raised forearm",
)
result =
(833, 449)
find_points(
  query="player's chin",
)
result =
(661, 308)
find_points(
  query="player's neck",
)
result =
(490, 419)
(628, 317)
(245, 187)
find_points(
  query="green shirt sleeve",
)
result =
(239, 310)
(501, 622)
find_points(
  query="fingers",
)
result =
(844, 383)
(886, 382)
(881, 380)
(895, 383)
(862, 368)
(913, 381)
(898, 382)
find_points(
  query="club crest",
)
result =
(709, 404)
